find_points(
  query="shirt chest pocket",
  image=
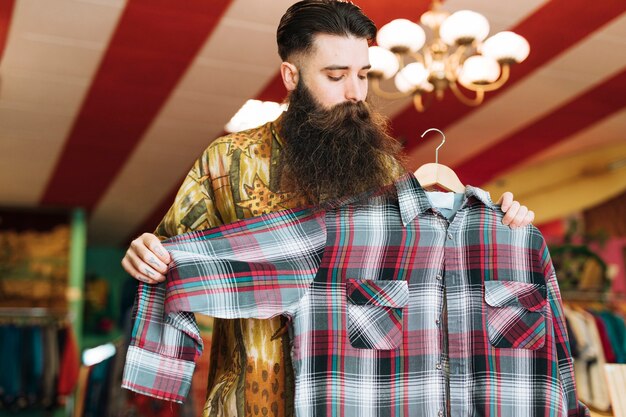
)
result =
(375, 313)
(515, 314)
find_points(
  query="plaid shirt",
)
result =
(396, 310)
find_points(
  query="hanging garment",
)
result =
(96, 401)
(51, 366)
(366, 284)
(32, 365)
(589, 366)
(29, 365)
(615, 329)
(573, 342)
(609, 354)
(11, 375)
(70, 363)
(600, 397)
(587, 357)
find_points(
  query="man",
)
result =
(327, 145)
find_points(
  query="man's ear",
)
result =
(290, 75)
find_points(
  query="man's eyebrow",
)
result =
(343, 67)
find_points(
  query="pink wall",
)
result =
(613, 253)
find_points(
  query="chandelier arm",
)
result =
(455, 63)
(477, 100)
(387, 95)
(419, 104)
(458, 53)
(504, 77)
(417, 57)
(400, 58)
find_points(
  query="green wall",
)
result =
(103, 262)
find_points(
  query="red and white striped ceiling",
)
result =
(105, 104)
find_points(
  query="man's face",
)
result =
(335, 71)
(334, 151)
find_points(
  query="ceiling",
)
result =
(105, 104)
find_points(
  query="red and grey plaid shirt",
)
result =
(396, 310)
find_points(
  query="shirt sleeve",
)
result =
(259, 267)
(564, 355)
(194, 205)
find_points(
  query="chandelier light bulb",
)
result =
(254, 113)
(479, 69)
(401, 35)
(402, 84)
(415, 73)
(506, 47)
(411, 77)
(384, 62)
(464, 27)
(433, 18)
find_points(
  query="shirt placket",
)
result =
(441, 319)
(458, 318)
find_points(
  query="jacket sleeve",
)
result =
(259, 268)
(565, 361)
(194, 205)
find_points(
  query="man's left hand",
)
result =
(516, 215)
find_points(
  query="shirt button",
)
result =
(438, 366)
(437, 322)
(440, 413)
(450, 236)
(438, 277)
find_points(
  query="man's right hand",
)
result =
(146, 259)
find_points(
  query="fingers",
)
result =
(144, 268)
(146, 259)
(505, 201)
(510, 213)
(147, 255)
(518, 220)
(530, 217)
(518, 216)
(154, 244)
(134, 272)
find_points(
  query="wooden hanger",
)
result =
(436, 176)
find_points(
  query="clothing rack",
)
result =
(34, 316)
(592, 296)
(25, 311)
(38, 360)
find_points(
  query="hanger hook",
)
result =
(440, 145)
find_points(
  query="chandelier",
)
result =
(458, 55)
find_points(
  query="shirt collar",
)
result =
(479, 195)
(413, 201)
(276, 127)
(412, 198)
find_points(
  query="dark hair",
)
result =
(307, 18)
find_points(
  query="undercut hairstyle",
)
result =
(307, 18)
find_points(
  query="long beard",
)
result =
(337, 152)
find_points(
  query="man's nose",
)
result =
(354, 91)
